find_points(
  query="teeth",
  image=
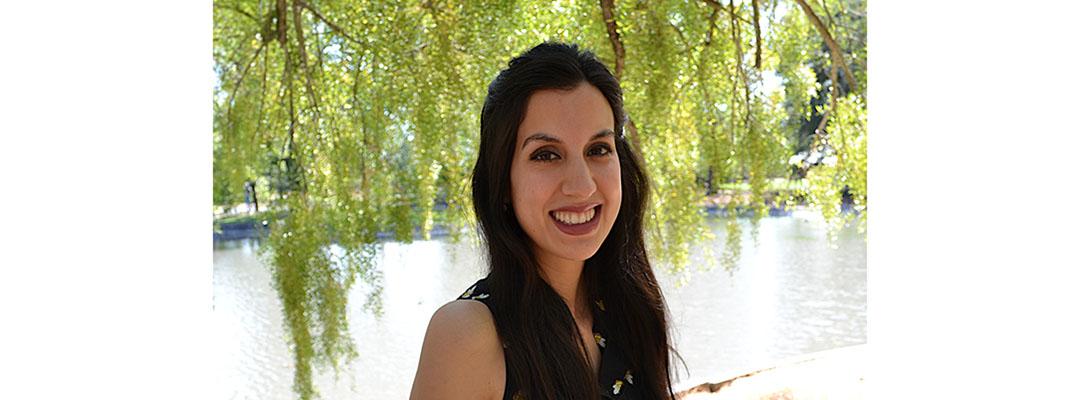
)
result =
(573, 218)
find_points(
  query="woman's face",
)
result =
(564, 178)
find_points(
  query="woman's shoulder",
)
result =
(464, 317)
(462, 355)
(469, 317)
(469, 313)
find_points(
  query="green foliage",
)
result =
(356, 117)
(847, 131)
(313, 277)
(223, 193)
(845, 171)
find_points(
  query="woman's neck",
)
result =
(565, 277)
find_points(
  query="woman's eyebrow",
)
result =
(543, 137)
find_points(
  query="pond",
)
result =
(791, 293)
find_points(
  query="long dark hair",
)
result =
(544, 350)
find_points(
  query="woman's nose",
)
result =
(578, 180)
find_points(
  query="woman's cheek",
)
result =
(614, 179)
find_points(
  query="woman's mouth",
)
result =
(576, 223)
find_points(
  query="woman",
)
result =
(570, 308)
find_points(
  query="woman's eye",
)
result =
(601, 150)
(544, 155)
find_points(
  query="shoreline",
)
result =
(250, 226)
(833, 373)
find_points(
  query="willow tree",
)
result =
(362, 117)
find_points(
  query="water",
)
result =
(793, 293)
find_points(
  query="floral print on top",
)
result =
(616, 380)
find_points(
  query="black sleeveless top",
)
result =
(616, 380)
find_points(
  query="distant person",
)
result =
(570, 308)
(250, 196)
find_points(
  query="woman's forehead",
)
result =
(571, 115)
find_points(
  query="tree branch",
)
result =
(682, 38)
(283, 39)
(828, 15)
(236, 8)
(283, 34)
(327, 22)
(737, 38)
(301, 45)
(712, 26)
(608, 9)
(757, 36)
(720, 7)
(834, 49)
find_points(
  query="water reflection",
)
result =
(789, 295)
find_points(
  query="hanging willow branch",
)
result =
(707, 43)
(696, 60)
(236, 86)
(737, 38)
(834, 93)
(262, 96)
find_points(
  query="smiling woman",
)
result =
(570, 308)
